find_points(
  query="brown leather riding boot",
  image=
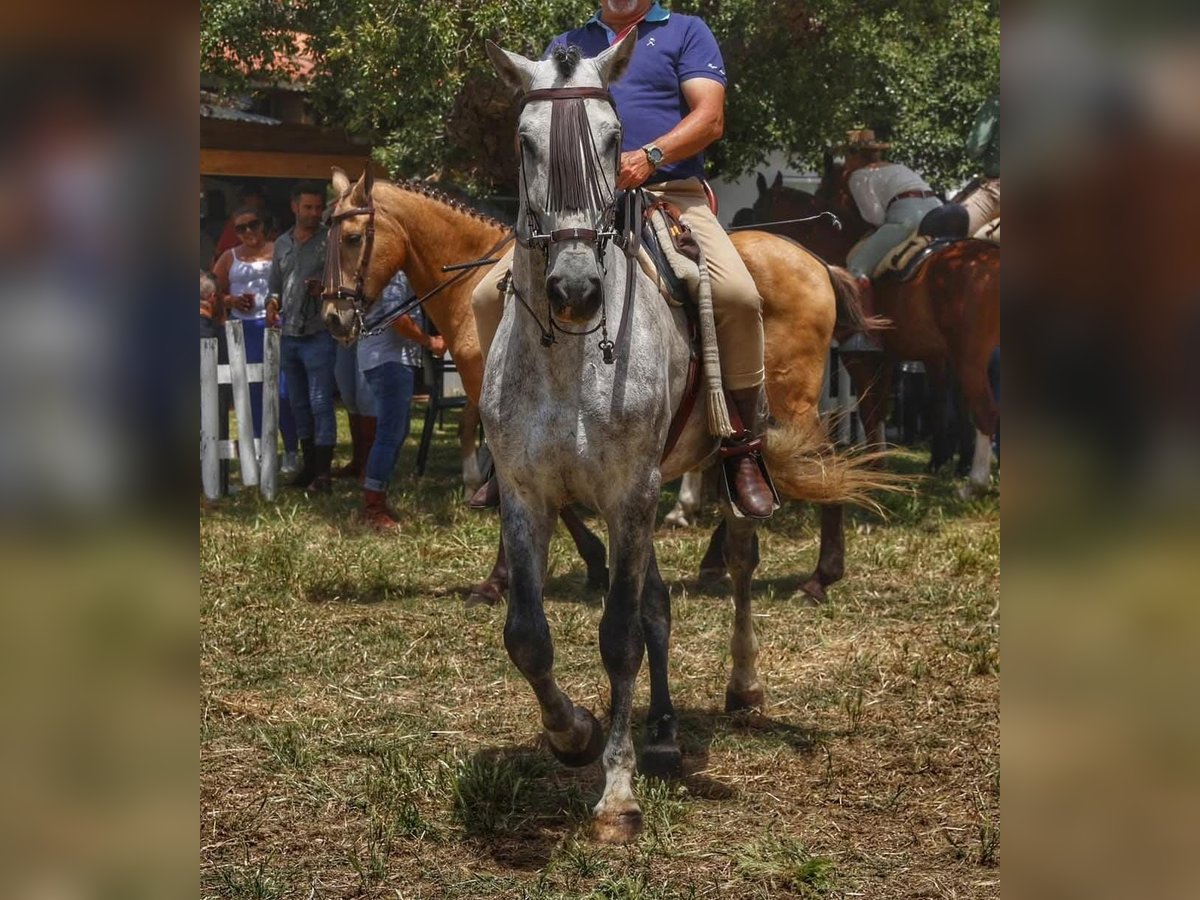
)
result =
(322, 482)
(863, 341)
(353, 467)
(376, 513)
(741, 455)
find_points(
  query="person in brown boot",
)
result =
(741, 455)
(389, 361)
(360, 406)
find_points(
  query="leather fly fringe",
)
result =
(574, 165)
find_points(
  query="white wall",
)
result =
(734, 195)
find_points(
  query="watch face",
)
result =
(655, 155)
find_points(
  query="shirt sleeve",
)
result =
(862, 189)
(699, 55)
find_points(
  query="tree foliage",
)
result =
(412, 76)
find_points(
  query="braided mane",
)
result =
(425, 189)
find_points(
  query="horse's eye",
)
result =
(528, 147)
(352, 239)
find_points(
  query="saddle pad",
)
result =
(898, 258)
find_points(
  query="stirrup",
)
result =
(753, 449)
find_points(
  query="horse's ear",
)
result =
(762, 183)
(514, 70)
(778, 182)
(358, 193)
(341, 181)
(612, 63)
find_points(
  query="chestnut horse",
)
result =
(947, 315)
(420, 229)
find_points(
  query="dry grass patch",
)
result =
(364, 734)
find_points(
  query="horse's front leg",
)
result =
(661, 756)
(741, 553)
(618, 818)
(574, 735)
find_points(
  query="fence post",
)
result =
(210, 463)
(236, 339)
(269, 474)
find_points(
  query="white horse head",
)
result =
(570, 150)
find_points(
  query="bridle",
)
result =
(576, 183)
(332, 283)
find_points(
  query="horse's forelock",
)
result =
(566, 59)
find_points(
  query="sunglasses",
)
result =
(252, 225)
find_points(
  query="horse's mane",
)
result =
(425, 189)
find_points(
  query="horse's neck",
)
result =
(440, 236)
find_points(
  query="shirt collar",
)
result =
(655, 14)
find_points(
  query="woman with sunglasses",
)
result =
(242, 273)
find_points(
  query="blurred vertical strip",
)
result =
(98, 649)
(1101, 291)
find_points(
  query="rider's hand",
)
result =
(635, 169)
(243, 302)
(273, 312)
(437, 345)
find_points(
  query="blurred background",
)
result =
(98, 212)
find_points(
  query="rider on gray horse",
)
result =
(677, 66)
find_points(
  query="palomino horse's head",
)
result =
(364, 250)
(570, 148)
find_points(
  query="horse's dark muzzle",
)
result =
(574, 299)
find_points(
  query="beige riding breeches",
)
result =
(983, 204)
(737, 306)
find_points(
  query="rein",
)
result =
(836, 222)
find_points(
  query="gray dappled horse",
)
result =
(573, 413)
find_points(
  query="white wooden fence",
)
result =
(258, 468)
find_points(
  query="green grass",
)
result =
(364, 733)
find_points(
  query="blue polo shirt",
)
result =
(671, 49)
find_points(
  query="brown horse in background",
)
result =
(947, 315)
(419, 229)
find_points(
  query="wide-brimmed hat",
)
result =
(862, 139)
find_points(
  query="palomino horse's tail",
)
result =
(850, 313)
(805, 466)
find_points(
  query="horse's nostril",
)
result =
(555, 287)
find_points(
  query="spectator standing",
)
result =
(389, 360)
(243, 273)
(307, 349)
(250, 196)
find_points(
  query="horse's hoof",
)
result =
(619, 827)
(598, 581)
(484, 593)
(738, 701)
(677, 519)
(662, 761)
(813, 590)
(591, 749)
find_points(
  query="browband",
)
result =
(575, 93)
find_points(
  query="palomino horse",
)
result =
(419, 229)
(947, 316)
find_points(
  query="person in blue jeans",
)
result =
(307, 349)
(389, 358)
(360, 411)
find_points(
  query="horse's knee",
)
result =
(529, 647)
